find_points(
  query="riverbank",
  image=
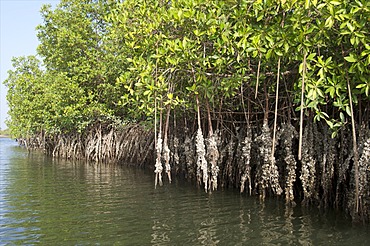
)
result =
(4, 136)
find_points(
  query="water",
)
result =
(53, 202)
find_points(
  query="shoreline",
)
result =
(4, 136)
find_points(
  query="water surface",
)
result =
(45, 201)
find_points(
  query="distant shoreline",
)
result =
(4, 136)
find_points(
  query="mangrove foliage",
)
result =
(269, 96)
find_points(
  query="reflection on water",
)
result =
(54, 202)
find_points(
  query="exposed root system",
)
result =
(239, 157)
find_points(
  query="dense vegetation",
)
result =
(271, 96)
(5, 132)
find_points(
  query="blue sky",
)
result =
(18, 20)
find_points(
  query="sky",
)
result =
(18, 21)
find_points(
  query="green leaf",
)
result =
(341, 115)
(330, 124)
(155, 56)
(348, 110)
(361, 86)
(286, 47)
(279, 53)
(335, 2)
(350, 58)
(311, 56)
(350, 26)
(307, 4)
(269, 53)
(329, 22)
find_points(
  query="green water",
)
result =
(44, 201)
